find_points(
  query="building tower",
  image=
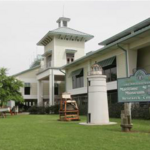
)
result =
(61, 46)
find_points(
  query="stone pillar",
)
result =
(97, 100)
(40, 93)
(51, 89)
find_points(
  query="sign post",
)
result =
(135, 88)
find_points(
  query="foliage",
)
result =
(44, 110)
(53, 110)
(137, 111)
(141, 112)
(83, 110)
(115, 110)
(9, 88)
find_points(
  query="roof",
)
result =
(37, 61)
(63, 19)
(126, 32)
(71, 33)
(25, 71)
(109, 46)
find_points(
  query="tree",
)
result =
(9, 88)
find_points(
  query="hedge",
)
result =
(138, 111)
(44, 110)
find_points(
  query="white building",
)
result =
(64, 66)
(121, 55)
(61, 46)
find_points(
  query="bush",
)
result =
(141, 112)
(37, 110)
(44, 110)
(115, 110)
(137, 111)
(83, 110)
(55, 109)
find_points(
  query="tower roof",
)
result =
(65, 33)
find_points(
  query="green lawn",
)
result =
(44, 132)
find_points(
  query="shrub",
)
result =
(55, 109)
(83, 110)
(44, 110)
(141, 112)
(137, 111)
(115, 110)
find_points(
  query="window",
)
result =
(56, 89)
(49, 60)
(27, 89)
(77, 79)
(70, 57)
(111, 74)
(109, 69)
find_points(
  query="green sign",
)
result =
(136, 88)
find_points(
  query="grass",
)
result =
(44, 132)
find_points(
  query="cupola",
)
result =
(62, 21)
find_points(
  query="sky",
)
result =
(24, 23)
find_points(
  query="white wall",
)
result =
(144, 58)
(132, 60)
(30, 77)
(60, 47)
(48, 47)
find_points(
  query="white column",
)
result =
(51, 89)
(40, 93)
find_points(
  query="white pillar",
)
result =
(97, 100)
(51, 89)
(40, 93)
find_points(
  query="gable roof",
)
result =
(25, 71)
(65, 31)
